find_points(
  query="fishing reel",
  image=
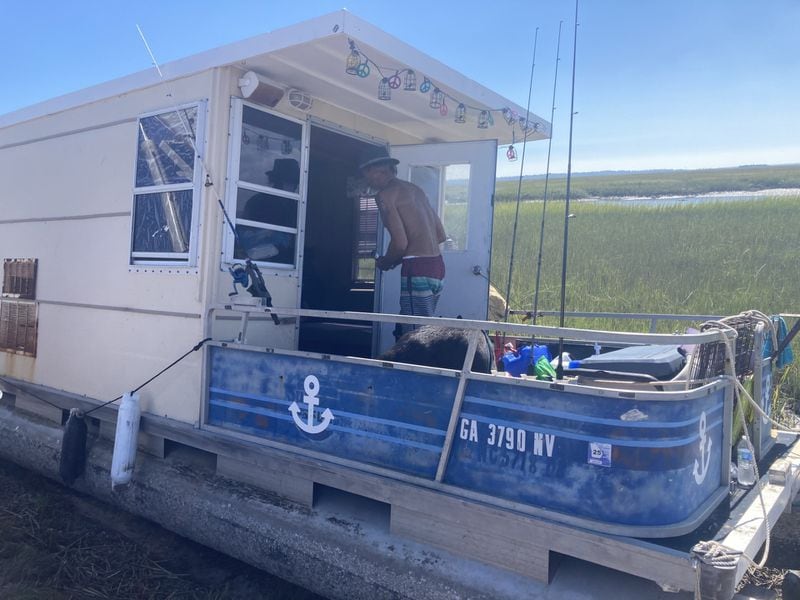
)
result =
(248, 275)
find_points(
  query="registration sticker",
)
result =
(600, 454)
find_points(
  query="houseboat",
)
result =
(215, 204)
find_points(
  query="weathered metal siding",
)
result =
(605, 458)
(600, 456)
(67, 198)
(393, 419)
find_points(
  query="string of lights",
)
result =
(360, 65)
(262, 140)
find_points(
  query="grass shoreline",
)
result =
(649, 184)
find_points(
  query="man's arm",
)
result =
(394, 225)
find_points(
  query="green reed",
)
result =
(717, 258)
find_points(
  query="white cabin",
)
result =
(116, 247)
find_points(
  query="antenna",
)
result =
(560, 369)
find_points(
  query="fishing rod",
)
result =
(535, 310)
(560, 368)
(248, 275)
(519, 181)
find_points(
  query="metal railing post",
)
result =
(457, 402)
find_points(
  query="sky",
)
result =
(668, 84)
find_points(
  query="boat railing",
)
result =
(652, 318)
(246, 312)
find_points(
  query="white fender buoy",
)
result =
(125, 440)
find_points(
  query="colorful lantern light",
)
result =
(437, 98)
(411, 81)
(461, 113)
(353, 60)
(384, 91)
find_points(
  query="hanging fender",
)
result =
(125, 440)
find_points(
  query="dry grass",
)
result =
(56, 544)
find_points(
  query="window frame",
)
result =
(441, 199)
(177, 260)
(234, 184)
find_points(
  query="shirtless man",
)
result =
(415, 231)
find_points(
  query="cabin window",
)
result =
(447, 187)
(264, 186)
(167, 187)
(18, 309)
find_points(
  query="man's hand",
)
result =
(384, 264)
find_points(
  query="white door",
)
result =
(459, 180)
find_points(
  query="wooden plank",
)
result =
(151, 444)
(664, 566)
(31, 405)
(749, 532)
(473, 539)
(292, 486)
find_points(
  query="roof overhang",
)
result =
(311, 56)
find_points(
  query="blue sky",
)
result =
(659, 84)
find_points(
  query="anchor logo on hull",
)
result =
(767, 393)
(701, 466)
(311, 387)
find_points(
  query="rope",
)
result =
(714, 554)
(731, 373)
(781, 427)
(19, 389)
(195, 348)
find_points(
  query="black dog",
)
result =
(443, 347)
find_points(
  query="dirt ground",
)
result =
(56, 544)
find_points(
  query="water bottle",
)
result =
(745, 464)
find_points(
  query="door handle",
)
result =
(477, 270)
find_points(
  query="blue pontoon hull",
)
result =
(636, 463)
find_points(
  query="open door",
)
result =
(339, 243)
(459, 180)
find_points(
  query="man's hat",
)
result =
(375, 155)
(285, 170)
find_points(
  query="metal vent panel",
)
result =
(19, 278)
(18, 326)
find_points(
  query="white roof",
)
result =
(311, 56)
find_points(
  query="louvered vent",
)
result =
(19, 278)
(18, 326)
(18, 310)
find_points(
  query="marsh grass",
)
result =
(711, 258)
